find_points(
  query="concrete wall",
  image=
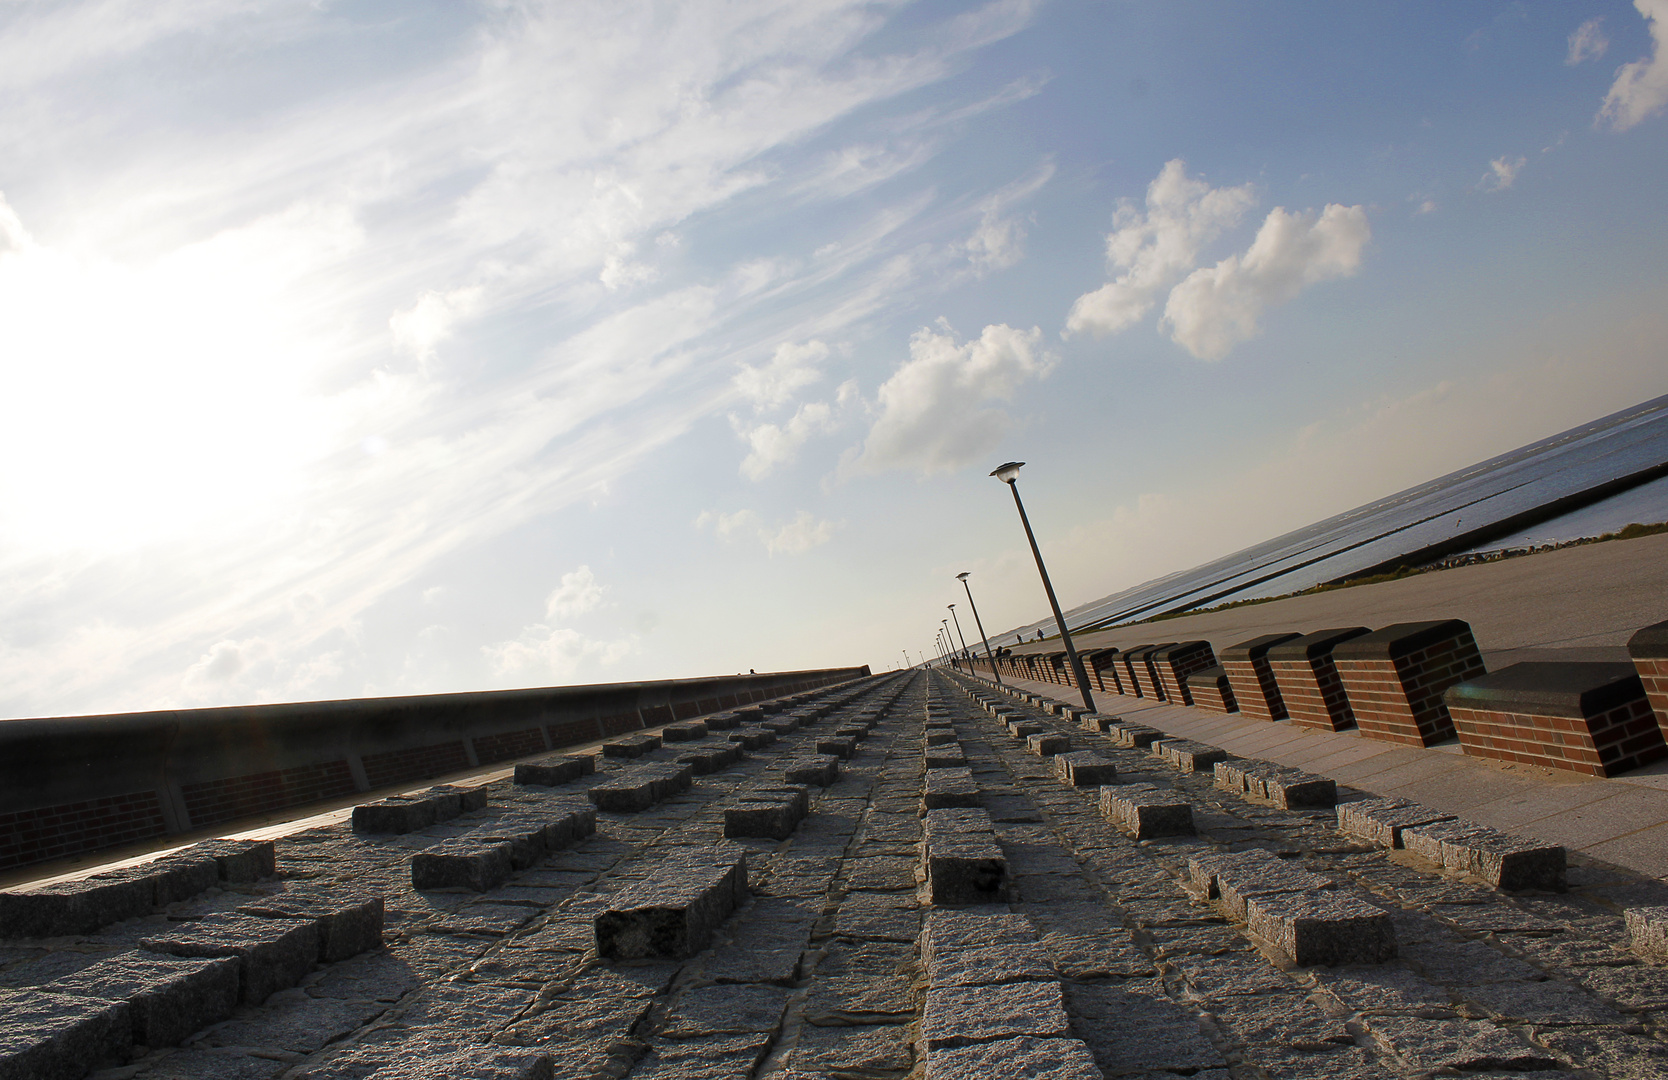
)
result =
(79, 783)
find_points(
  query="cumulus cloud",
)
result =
(1151, 251)
(1641, 88)
(1502, 173)
(1214, 309)
(225, 662)
(1587, 42)
(790, 368)
(794, 537)
(555, 653)
(420, 328)
(934, 413)
(772, 445)
(578, 593)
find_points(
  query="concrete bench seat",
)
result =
(1285, 787)
(553, 772)
(1500, 859)
(674, 913)
(1381, 821)
(639, 788)
(767, 812)
(89, 904)
(963, 863)
(688, 731)
(1187, 755)
(818, 769)
(1084, 768)
(1146, 812)
(632, 747)
(1048, 743)
(272, 954)
(1592, 718)
(945, 788)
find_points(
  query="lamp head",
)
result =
(952, 607)
(1008, 473)
(963, 576)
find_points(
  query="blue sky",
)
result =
(371, 348)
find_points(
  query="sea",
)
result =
(1590, 480)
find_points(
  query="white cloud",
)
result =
(727, 526)
(423, 326)
(933, 414)
(772, 445)
(1214, 309)
(1587, 41)
(1152, 251)
(800, 535)
(1502, 173)
(790, 368)
(554, 654)
(1641, 88)
(578, 593)
(996, 244)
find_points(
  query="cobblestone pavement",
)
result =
(821, 972)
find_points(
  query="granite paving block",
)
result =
(636, 789)
(1381, 821)
(395, 814)
(348, 923)
(821, 770)
(765, 815)
(963, 862)
(1014, 1059)
(240, 861)
(632, 746)
(1084, 768)
(76, 907)
(169, 998)
(947, 933)
(272, 954)
(710, 760)
(1024, 729)
(1502, 860)
(1648, 929)
(47, 1036)
(1322, 928)
(1048, 744)
(839, 746)
(461, 863)
(675, 912)
(947, 756)
(473, 1063)
(943, 788)
(1237, 884)
(1189, 756)
(944, 736)
(1135, 736)
(965, 1015)
(553, 772)
(1146, 812)
(752, 738)
(782, 725)
(180, 876)
(684, 732)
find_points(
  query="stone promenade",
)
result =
(912, 876)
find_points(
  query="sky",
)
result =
(366, 348)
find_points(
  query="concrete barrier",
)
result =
(81, 783)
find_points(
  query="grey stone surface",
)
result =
(943, 788)
(1146, 813)
(963, 864)
(75, 907)
(1189, 756)
(168, 998)
(1015, 1059)
(1047, 744)
(272, 954)
(553, 772)
(818, 769)
(461, 863)
(1322, 928)
(240, 862)
(348, 924)
(675, 913)
(1381, 821)
(963, 1015)
(46, 1036)
(1647, 927)
(1084, 768)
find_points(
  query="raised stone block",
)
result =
(472, 1063)
(949, 788)
(685, 732)
(1024, 729)
(707, 761)
(1210, 690)
(821, 770)
(48, 1036)
(1135, 736)
(673, 914)
(1238, 878)
(272, 954)
(395, 814)
(1502, 860)
(1313, 694)
(1323, 928)
(1591, 718)
(76, 907)
(949, 756)
(966, 1015)
(633, 746)
(1252, 679)
(1648, 927)
(1145, 812)
(941, 736)
(553, 772)
(641, 787)
(240, 861)
(348, 923)
(840, 747)
(1381, 821)
(1098, 724)
(1047, 744)
(1287, 788)
(180, 876)
(1084, 768)
(767, 814)
(784, 725)
(475, 797)
(859, 732)
(1021, 1058)
(723, 721)
(1189, 756)
(1172, 665)
(169, 998)
(1396, 678)
(752, 738)
(963, 862)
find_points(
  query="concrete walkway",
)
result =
(1622, 820)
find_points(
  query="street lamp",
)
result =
(962, 577)
(948, 640)
(967, 655)
(1009, 474)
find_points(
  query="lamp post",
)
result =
(963, 637)
(962, 577)
(1009, 474)
(949, 641)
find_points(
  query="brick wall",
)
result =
(1312, 693)
(1104, 671)
(621, 724)
(1610, 742)
(510, 744)
(1653, 672)
(1211, 690)
(57, 832)
(1255, 689)
(211, 802)
(1399, 699)
(573, 731)
(419, 762)
(1175, 664)
(1131, 671)
(1150, 681)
